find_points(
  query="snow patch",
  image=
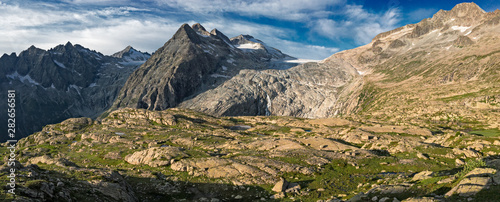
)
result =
(361, 72)
(230, 60)
(77, 88)
(92, 85)
(248, 46)
(202, 35)
(300, 61)
(224, 68)
(219, 76)
(60, 64)
(468, 33)
(23, 79)
(461, 28)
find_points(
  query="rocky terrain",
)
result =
(443, 70)
(208, 72)
(412, 116)
(183, 155)
(63, 82)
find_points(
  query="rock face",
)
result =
(310, 90)
(201, 70)
(66, 81)
(186, 64)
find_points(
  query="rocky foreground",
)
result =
(182, 155)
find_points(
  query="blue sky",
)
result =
(313, 29)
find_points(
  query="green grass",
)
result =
(482, 92)
(470, 165)
(487, 132)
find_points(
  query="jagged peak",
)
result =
(128, 50)
(245, 36)
(68, 44)
(214, 31)
(185, 31)
(219, 34)
(462, 10)
(198, 27)
(13, 54)
(32, 47)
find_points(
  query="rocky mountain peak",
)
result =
(467, 9)
(242, 39)
(461, 14)
(131, 56)
(127, 49)
(219, 34)
(199, 28)
(185, 32)
(32, 50)
(68, 44)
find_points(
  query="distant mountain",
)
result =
(130, 55)
(65, 81)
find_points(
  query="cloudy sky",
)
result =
(309, 29)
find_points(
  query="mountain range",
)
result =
(65, 81)
(411, 116)
(211, 73)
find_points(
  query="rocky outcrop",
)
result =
(309, 90)
(155, 156)
(473, 182)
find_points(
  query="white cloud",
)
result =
(97, 2)
(110, 29)
(358, 24)
(295, 10)
(106, 30)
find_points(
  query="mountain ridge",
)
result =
(62, 82)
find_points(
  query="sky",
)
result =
(308, 29)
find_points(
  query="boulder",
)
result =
(281, 185)
(156, 156)
(422, 175)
